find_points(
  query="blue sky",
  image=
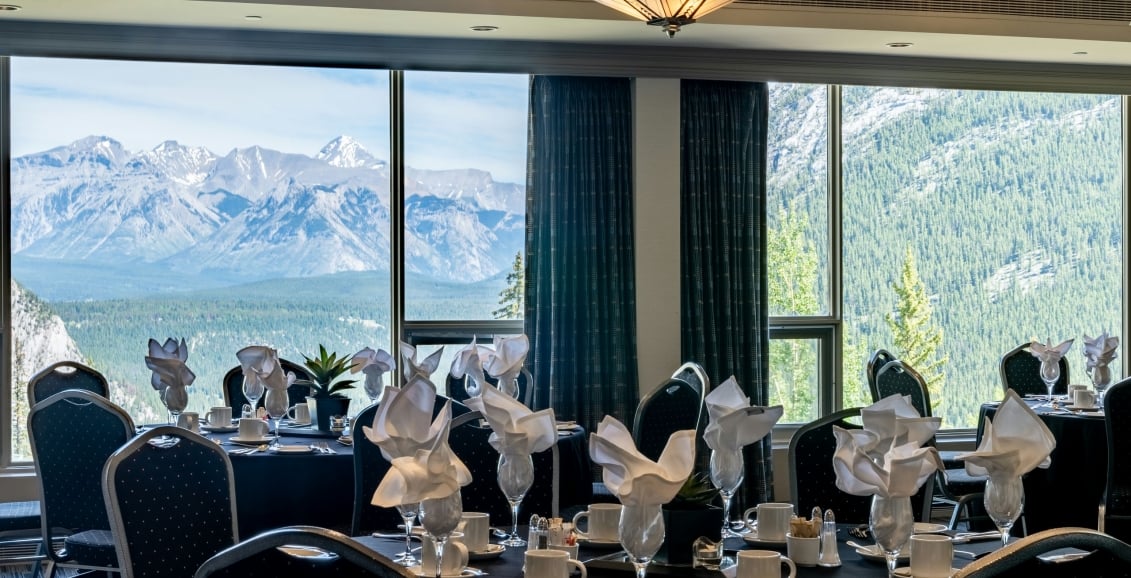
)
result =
(452, 120)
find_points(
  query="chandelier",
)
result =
(670, 14)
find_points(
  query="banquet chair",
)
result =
(468, 439)
(1115, 505)
(672, 406)
(171, 499)
(812, 482)
(233, 386)
(694, 374)
(878, 359)
(20, 534)
(72, 433)
(1021, 372)
(525, 383)
(62, 376)
(306, 551)
(1106, 556)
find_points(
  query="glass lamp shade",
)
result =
(670, 14)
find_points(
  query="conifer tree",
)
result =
(917, 339)
(513, 297)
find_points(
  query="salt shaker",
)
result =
(830, 557)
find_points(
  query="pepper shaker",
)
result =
(830, 557)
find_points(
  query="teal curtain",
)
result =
(723, 247)
(580, 293)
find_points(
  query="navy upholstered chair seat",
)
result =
(93, 547)
(16, 516)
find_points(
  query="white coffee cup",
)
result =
(1084, 398)
(931, 555)
(762, 564)
(550, 564)
(476, 528)
(455, 558)
(189, 420)
(1072, 389)
(803, 551)
(220, 416)
(299, 413)
(603, 523)
(252, 428)
(773, 520)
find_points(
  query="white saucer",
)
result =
(297, 423)
(874, 554)
(905, 572)
(307, 552)
(252, 441)
(219, 428)
(752, 538)
(592, 543)
(492, 551)
(419, 571)
(292, 449)
(925, 528)
(1078, 408)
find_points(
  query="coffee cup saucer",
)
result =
(599, 543)
(752, 538)
(1082, 408)
(254, 441)
(466, 572)
(219, 428)
(492, 551)
(905, 572)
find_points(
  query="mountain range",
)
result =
(178, 211)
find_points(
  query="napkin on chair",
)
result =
(403, 424)
(515, 429)
(374, 364)
(633, 478)
(428, 473)
(732, 423)
(504, 362)
(885, 457)
(1014, 442)
(425, 368)
(1050, 353)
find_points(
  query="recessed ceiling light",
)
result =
(484, 28)
(253, 18)
(9, 7)
(900, 44)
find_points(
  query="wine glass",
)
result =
(1004, 499)
(374, 387)
(727, 472)
(641, 534)
(440, 516)
(408, 514)
(175, 400)
(516, 475)
(1050, 374)
(275, 402)
(891, 521)
(1101, 378)
(252, 390)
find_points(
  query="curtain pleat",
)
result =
(723, 247)
(580, 291)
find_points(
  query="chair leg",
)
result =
(1102, 515)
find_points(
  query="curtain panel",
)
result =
(723, 247)
(580, 290)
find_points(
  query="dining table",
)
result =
(1068, 492)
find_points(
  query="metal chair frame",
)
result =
(79, 376)
(329, 541)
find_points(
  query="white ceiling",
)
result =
(746, 26)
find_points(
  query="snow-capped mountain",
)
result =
(256, 213)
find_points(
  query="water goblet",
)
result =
(252, 390)
(440, 517)
(727, 473)
(891, 521)
(374, 387)
(408, 515)
(175, 400)
(1050, 374)
(1101, 378)
(275, 402)
(641, 534)
(1004, 499)
(516, 475)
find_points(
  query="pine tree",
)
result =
(916, 337)
(512, 298)
(792, 287)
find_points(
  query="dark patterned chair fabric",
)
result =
(879, 358)
(1115, 506)
(895, 378)
(266, 556)
(1021, 372)
(525, 387)
(16, 516)
(673, 406)
(171, 499)
(20, 528)
(73, 433)
(694, 374)
(1108, 557)
(233, 386)
(62, 376)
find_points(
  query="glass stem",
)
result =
(407, 535)
(641, 569)
(891, 560)
(440, 542)
(726, 515)
(514, 520)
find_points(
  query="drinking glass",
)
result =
(891, 521)
(1050, 373)
(1101, 378)
(252, 390)
(1004, 499)
(727, 472)
(374, 387)
(275, 402)
(516, 475)
(440, 516)
(641, 534)
(408, 515)
(175, 400)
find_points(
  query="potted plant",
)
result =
(691, 514)
(326, 389)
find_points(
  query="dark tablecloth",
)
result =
(1068, 492)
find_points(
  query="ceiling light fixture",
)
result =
(484, 28)
(1081, 53)
(9, 7)
(900, 44)
(668, 14)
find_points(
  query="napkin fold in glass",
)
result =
(1014, 442)
(732, 422)
(374, 364)
(633, 478)
(432, 473)
(1100, 351)
(1050, 353)
(467, 363)
(425, 368)
(515, 428)
(262, 363)
(403, 424)
(885, 457)
(171, 349)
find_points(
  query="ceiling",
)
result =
(1094, 32)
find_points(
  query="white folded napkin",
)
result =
(262, 363)
(504, 362)
(170, 350)
(633, 478)
(1100, 351)
(1050, 353)
(885, 457)
(732, 423)
(515, 429)
(374, 364)
(435, 472)
(1013, 443)
(425, 368)
(403, 423)
(467, 363)
(170, 372)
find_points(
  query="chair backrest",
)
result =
(280, 552)
(233, 386)
(897, 378)
(370, 467)
(525, 383)
(694, 374)
(1021, 372)
(62, 376)
(673, 406)
(73, 433)
(1117, 421)
(879, 358)
(171, 499)
(1109, 556)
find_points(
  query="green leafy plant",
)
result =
(697, 492)
(324, 370)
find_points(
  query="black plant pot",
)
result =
(682, 528)
(323, 408)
